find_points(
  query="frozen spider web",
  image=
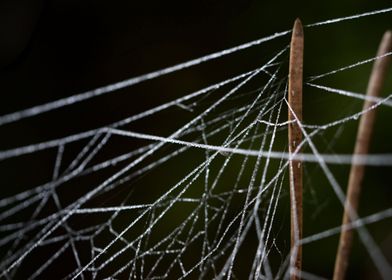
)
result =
(129, 216)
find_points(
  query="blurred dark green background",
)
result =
(53, 49)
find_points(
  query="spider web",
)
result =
(222, 214)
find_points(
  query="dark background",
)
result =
(54, 49)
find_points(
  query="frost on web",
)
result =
(222, 214)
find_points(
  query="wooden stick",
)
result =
(364, 134)
(295, 138)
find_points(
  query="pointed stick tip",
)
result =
(298, 21)
(386, 43)
(387, 35)
(298, 28)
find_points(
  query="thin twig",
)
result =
(364, 135)
(295, 138)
